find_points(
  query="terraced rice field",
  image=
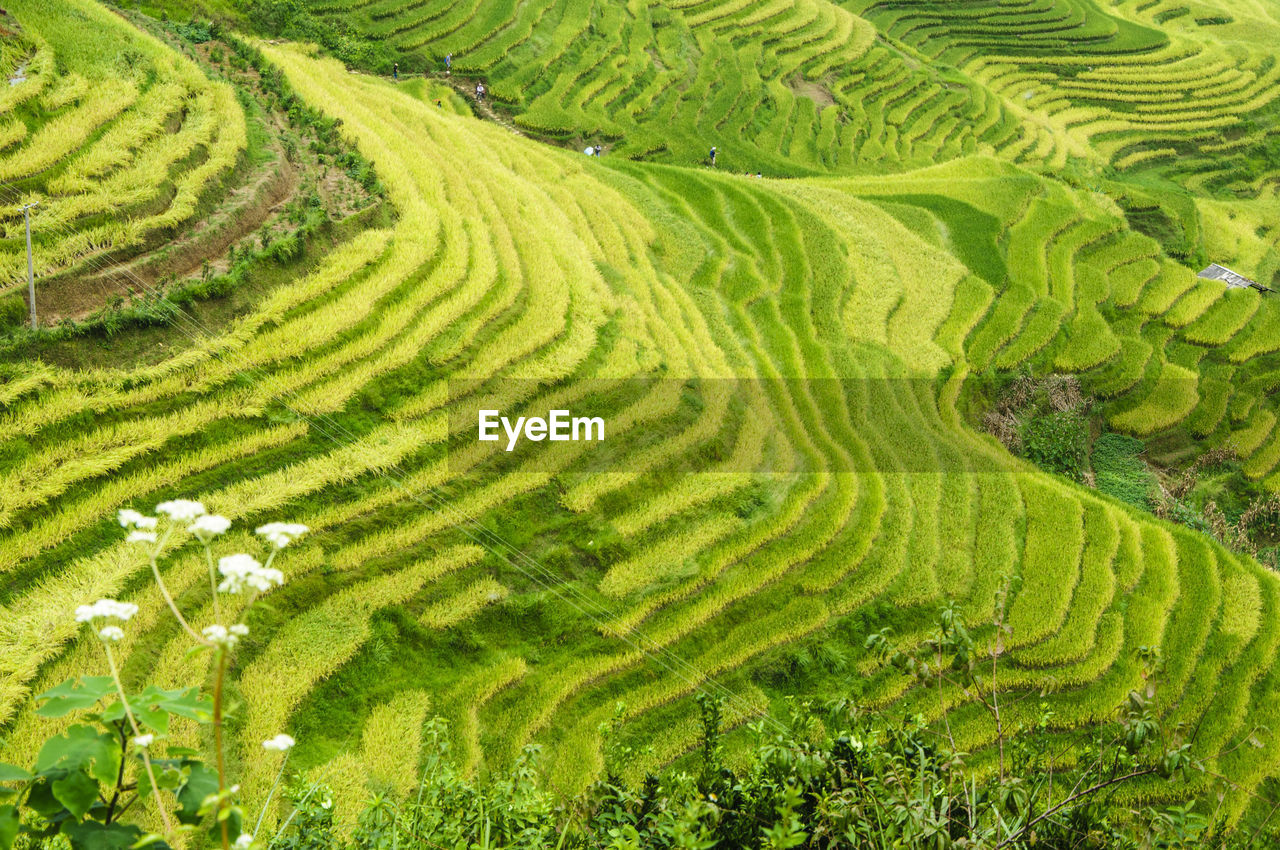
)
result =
(779, 362)
(805, 86)
(115, 136)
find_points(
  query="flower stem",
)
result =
(217, 744)
(257, 827)
(213, 583)
(146, 756)
(164, 591)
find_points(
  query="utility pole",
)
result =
(31, 276)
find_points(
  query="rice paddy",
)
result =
(782, 364)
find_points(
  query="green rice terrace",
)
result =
(825, 359)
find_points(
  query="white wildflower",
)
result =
(239, 630)
(209, 525)
(141, 537)
(244, 841)
(111, 634)
(281, 742)
(244, 571)
(220, 636)
(281, 534)
(130, 518)
(143, 741)
(180, 510)
(106, 608)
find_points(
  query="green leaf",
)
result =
(235, 825)
(155, 719)
(13, 773)
(74, 695)
(154, 706)
(9, 823)
(201, 782)
(92, 835)
(169, 776)
(82, 747)
(77, 791)
(113, 713)
(40, 799)
(179, 702)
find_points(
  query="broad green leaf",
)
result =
(235, 825)
(74, 695)
(169, 776)
(77, 791)
(82, 747)
(9, 823)
(92, 835)
(201, 782)
(40, 798)
(13, 773)
(185, 702)
(147, 717)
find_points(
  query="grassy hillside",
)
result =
(780, 363)
(118, 138)
(810, 86)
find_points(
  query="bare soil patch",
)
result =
(814, 90)
(256, 200)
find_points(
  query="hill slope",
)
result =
(778, 364)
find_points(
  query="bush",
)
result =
(1057, 442)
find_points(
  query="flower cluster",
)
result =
(244, 571)
(130, 518)
(281, 534)
(181, 510)
(224, 637)
(281, 742)
(207, 526)
(240, 573)
(106, 608)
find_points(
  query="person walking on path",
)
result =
(448, 64)
(479, 92)
(395, 71)
(713, 156)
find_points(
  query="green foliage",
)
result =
(310, 823)
(293, 19)
(1057, 441)
(1120, 471)
(830, 775)
(87, 777)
